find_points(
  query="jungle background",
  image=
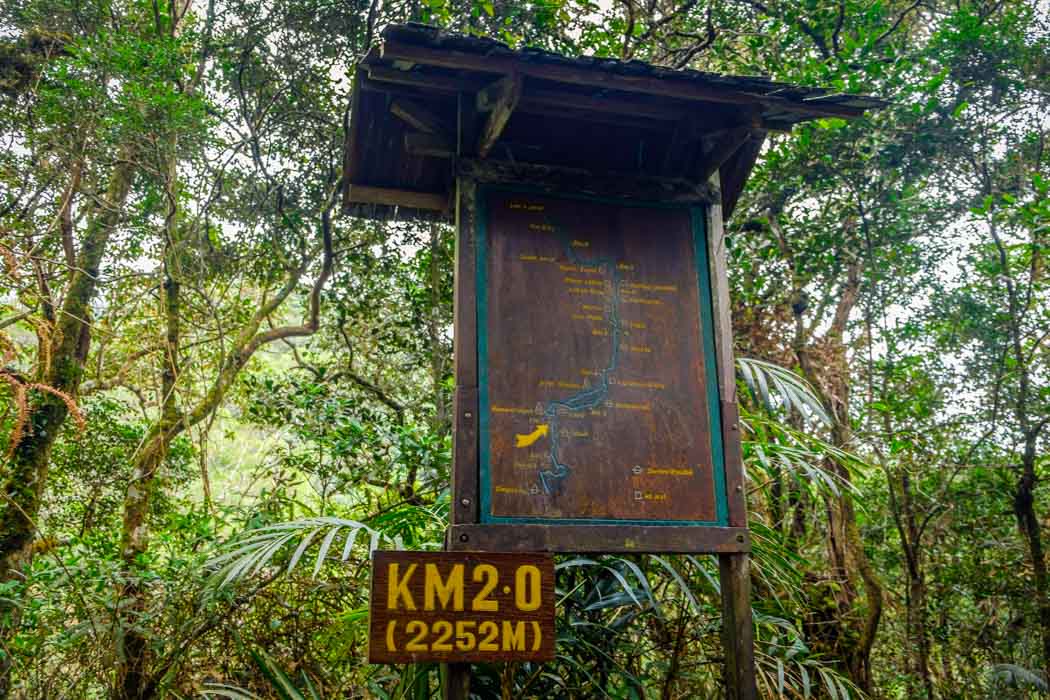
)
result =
(218, 394)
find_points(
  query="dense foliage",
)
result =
(218, 395)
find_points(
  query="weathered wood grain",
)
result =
(596, 405)
(400, 198)
(561, 180)
(738, 635)
(419, 144)
(499, 99)
(396, 50)
(464, 507)
(723, 324)
(419, 117)
(734, 466)
(721, 150)
(671, 539)
(465, 356)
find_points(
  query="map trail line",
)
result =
(591, 397)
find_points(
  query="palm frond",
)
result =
(776, 387)
(280, 681)
(231, 692)
(258, 548)
(1014, 676)
(786, 669)
(775, 448)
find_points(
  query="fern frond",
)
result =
(71, 405)
(18, 394)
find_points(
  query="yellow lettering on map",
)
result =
(669, 472)
(651, 287)
(641, 385)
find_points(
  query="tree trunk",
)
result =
(860, 657)
(918, 635)
(25, 475)
(133, 681)
(845, 545)
(1024, 508)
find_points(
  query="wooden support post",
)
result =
(499, 99)
(738, 636)
(465, 421)
(456, 678)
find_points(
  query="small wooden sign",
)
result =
(461, 606)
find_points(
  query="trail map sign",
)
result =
(595, 405)
(444, 606)
(598, 397)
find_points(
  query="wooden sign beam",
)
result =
(618, 539)
(499, 99)
(554, 179)
(431, 145)
(418, 117)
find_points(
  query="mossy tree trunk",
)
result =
(25, 473)
(135, 678)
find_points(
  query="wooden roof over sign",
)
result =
(426, 97)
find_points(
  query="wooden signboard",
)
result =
(598, 395)
(595, 391)
(460, 607)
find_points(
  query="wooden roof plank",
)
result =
(400, 198)
(532, 100)
(643, 83)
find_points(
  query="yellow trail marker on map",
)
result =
(526, 440)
